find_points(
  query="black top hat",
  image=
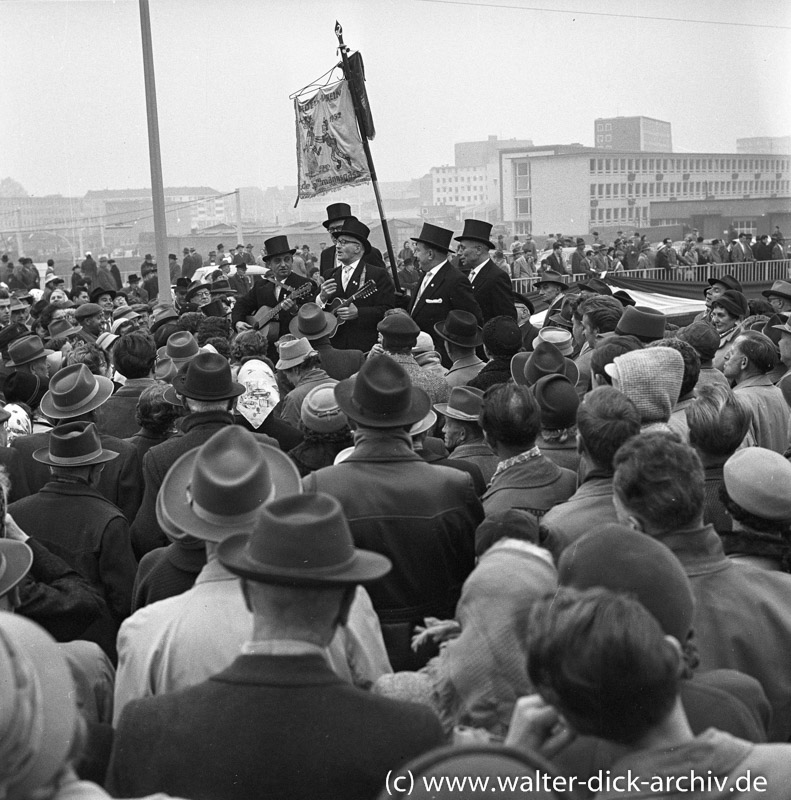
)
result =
(99, 291)
(76, 444)
(207, 377)
(357, 230)
(477, 231)
(277, 246)
(435, 237)
(461, 328)
(337, 212)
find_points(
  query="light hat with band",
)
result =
(465, 404)
(321, 412)
(75, 444)
(73, 391)
(293, 353)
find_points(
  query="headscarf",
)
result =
(261, 393)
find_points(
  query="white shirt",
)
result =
(474, 272)
(428, 277)
(348, 271)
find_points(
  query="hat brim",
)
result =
(98, 294)
(330, 326)
(42, 456)
(419, 405)
(19, 560)
(432, 245)
(519, 361)
(229, 290)
(365, 566)
(70, 332)
(43, 354)
(770, 293)
(563, 286)
(104, 390)
(269, 256)
(446, 411)
(473, 341)
(174, 510)
(480, 239)
(364, 242)
(234, 390)
(195, 289)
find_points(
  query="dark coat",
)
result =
(435, 452)
(554, 263)
(11, 462)
(361, 333)
(338, 364)
(493, 292)
(328, 262)
(267, 727)
(498, 370)
(116, 416)
(242, 284)
(166, 572)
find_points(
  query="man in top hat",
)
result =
(443, 288)
(551, 287)
(207, 740)
(462, 335)
(358, 317)
(337, 215)
(317, 326)
(490, 285)
(423, 517)
(207, 391)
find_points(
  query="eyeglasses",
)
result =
(345, 241)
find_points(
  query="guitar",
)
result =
(366, 290)
(264, 318)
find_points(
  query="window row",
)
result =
(619, 214)
(687, 188)
(714, 164)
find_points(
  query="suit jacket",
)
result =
(267, 726)
(360, 333)
(493, 292)
(328, 263)
(554, 308)
(555, 263)
(117, 415)
(242, 284)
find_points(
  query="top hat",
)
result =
(337, 212)
(528, 368)
(301, 540)
(398, 330)
(728, 281)
(277, 246)
(477, 231)
(558, 400)
(99, 291)
(216, 490)
(645, 323)
(75, 444)
(435, 237)
(550, 276)
(381, 395)
(181, 347)
(465, 404)
(61, 328)
(779, 289)
(206, 377)
(293, 352)
(75, 390)
(26, 349)
(461, 328)
(357, 230)
(312, 322)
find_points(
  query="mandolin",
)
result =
(366, 290)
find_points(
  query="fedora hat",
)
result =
(357, 230)
(11, 333)
(528, 368)
(27, 349)
(293, 352)
(75, 444)
(181, 347)
(425, 424)
(312, 322)
(277, 246)
(558, 400)
(195, 287)
(160, 316)
(99, 292)
(75, 390)
(477, 231)
(165, 370)
(461, 328)
(301, 540)
(206, 377)
(728, 281)
(562, 339)
(381, 395)
(645, 323)
(105, 340)
(779, 289)
(465, 404)
(435, 237)
(16, 559)
(596, 285)
(337, 212)
(216, 490)
(552, 277)
(222, 286)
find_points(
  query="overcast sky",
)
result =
(438, 72)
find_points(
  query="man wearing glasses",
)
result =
(337, 215)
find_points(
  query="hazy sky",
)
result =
(438, 72)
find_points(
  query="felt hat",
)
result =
(703, 338)
(26, 349)
(222, 286)
(425, 424)
(293, 352)
(381, 395)
(99, 292)
(215, 309)
(728, 281)
(461, 328)
(465, 404)
(337, 212)
(562, 339)
(105, 340)
(312, 322)
(73, 391)
(11, 333)
(88, 310)
(277, 246)
(779, 289)
(434, 237)
(181, 347)
(552, 277)
(579, 241)
(596, 285)
(558, 400)
(75, 444)
(182, 283)
(759, 480)
(133, 278)
(398, 330)
(320, 410)
(735, 303)
(477, 231)
(195, 287)
(160, 316)
(645, 323)
(301, 540)
(16, 559)
(24, 387)
(165, 370)
(206, 377)
(546, 359)
(357, 230)
(217, 489)
(623, 298)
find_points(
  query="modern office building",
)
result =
(765, 145)
(635, 134)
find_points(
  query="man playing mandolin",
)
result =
(357, 292)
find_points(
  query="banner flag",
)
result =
(329, 149)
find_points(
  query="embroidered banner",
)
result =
(329, 149)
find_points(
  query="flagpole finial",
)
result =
(338, 29)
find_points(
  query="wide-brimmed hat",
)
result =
(312, 322)
(88, 310)
(105, 340)
(381, 395)
(206, 377)
(222, 286)
(277, 246)
(301, 540)
(194, 288)
(552, 277)
(27, 349)
(61, 328)
(461, 328)
(181, 347)
(759, 480)
(728, 281)
(477, 231)
(596, 285)
(320, 410)
(122, 321)
(645, 323)
(73, 391)
(357, 230)
(160, 316)
(398, 330)
(434, 237)
(465, 404)
(53, 279)
(75, 444)
(16, 558)
(293, 352)
(558, 400)
(11, 333)
(216, 490)
(779, 289)
(99, 291)
(562, 339)
(735, 303)
(528, 368)
(337, 212)
(425, 424)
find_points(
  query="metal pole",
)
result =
(18, 225)
(238, 195)
(157, 188)
(368, 157)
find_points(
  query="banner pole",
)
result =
(369, 158)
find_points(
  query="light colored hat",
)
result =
(293, 353)
(759, 480)
(423, 425)
(321, 412)
(560, 338)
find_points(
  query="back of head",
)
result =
(154, 411)
(603, 313)
(651, 378)
(759, 350)
(703, 337)
(134, 355)
(606, 419)
(691, 362)
(502, 336)
(510, 415)
(608, 350)
(718, 420)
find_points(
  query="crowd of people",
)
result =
(306, 536)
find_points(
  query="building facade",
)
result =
(765, 145)
(635, 134)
